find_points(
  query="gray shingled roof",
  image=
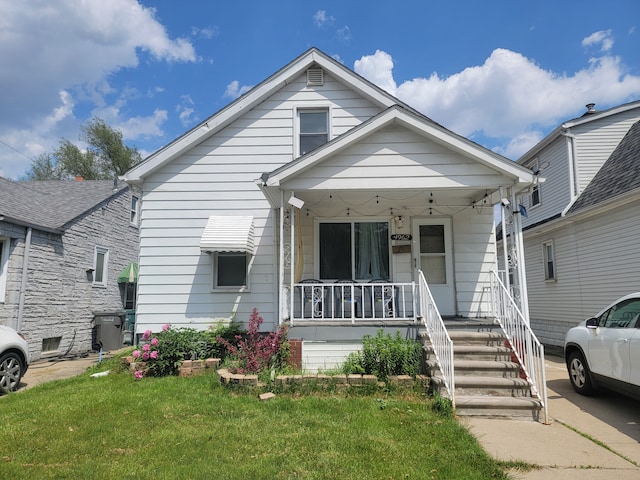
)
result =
(620, 174)
(52, 204)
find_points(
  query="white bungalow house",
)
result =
(325, 203)
(581, 232)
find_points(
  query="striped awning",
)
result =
(228, 234)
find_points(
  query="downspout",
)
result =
(292, 249)
(519, 247)
(23, 282)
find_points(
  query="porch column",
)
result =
(519, 249)
(281, 294)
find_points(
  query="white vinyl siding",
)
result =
(599, 258)
(217, 177)
(596, 141)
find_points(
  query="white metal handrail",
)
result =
(440, 340)
(313, 300)
(527, 348)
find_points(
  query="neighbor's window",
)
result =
(230, 269)
(100, 263)
(313, 127)
(549, 261)
(354, 250)
(4, 262)
(51, 344)
(135, 208)
(535, 196)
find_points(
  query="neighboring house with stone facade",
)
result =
(62, 246)
(583, 222)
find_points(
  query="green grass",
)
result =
(193, 428)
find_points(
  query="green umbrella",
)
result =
(129, 274)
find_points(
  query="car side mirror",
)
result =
(592, 323)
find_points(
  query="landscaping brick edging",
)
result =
(187, 367)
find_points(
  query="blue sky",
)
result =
(503, 73)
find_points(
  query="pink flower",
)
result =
(154, 355)
(166, 327)
(146, 335)
(138, 375)
(145, 356)
(154, 342)
(136, 353)
(146, 347)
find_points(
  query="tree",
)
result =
(106, 156)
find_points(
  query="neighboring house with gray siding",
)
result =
(581, 233)
(62, 246)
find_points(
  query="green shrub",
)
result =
(385, 355)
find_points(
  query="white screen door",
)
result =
(433, 254)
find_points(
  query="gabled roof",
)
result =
(561, 129)
(413, 120)
(312, 57)
(52, 205)
(215, 123)
(619, 175)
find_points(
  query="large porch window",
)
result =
(354, 250)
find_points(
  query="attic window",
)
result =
(315, 77)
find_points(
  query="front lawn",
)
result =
(193, 428)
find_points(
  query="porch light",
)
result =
(296, 202)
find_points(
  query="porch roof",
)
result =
(483, 171)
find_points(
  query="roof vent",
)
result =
(591, 107)
(315, 77)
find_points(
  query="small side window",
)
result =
(535, 196)
(135, 209)
(4, 261)
(100, 264)
(230, 270)
(549, 261)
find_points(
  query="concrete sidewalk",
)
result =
(563, 453)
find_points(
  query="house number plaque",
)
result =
(401, 236)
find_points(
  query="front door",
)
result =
(433, 254)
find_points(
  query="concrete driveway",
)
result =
(588, 438)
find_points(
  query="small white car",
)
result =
(14, 358)
(604, 351)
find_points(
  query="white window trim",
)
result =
(4, 267)
(134, 211)
(105, 267)
(352, 220)
(545, 245)
(233, 288)
(296, 124)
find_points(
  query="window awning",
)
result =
(228, 234)
(129, 274)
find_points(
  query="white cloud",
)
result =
(234, 90)
(71, 47)
(377, 68)
(207, 32)
(509, 99)
(344, 34)
(320, 18)
(142, 126)
(186, 112)
(604, 38)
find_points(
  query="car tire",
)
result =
(579, 374)
(11, 368)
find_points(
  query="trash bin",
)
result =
(129, 327)
(108, 330)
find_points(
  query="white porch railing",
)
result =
(314, 300)
(527, 348)
(440, 340)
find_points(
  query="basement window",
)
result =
(51, 344)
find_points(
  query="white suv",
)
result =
(14, 358)
(604, 351)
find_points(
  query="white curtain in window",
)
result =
(372, 250)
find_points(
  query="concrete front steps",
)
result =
(487, 381)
